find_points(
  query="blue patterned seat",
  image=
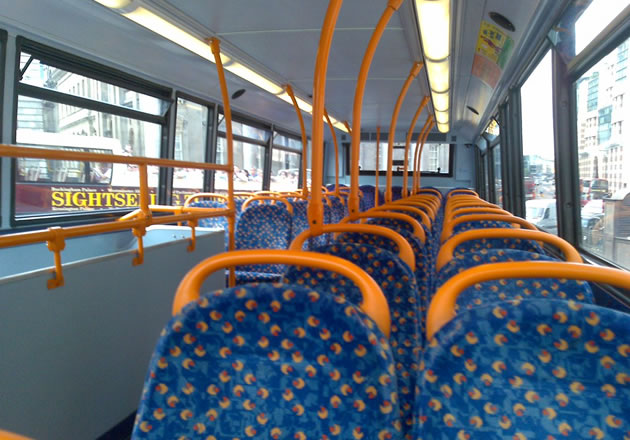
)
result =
(262, 227)
(532, 369)
(367, 201)
(399, 287)
(270, 362)
(479, 224)
(429, 253)
(213, 222)
(498, 243)
(396, 193)
(422, 270)
(501, 290)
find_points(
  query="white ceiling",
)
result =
(280, 38)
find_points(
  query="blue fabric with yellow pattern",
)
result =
(396, 193)
(213, 222)
(367, 201)
(422, 270)
(480, 224)
(500, 290)
(399, 287)
(428, 253)
(532, 369)
(498, 243)
(263, 227)
(270, 362)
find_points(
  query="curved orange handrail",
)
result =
(450, 208)
(416, 164)
(6, 435)
(442, 308)
(425, 203)
(461, 192)
(357, 107)
(424, 141)
(377, 170)
(415, 70)
(479, 210)
(417, 228)
(315, 209)
(275, 199)
(298, 111)
(431, 190)
(412, 126)
(202, 195)
(336, 145)
(398, 207)
(447, 230)
(446, 251)
(374, 303)
(405, 252)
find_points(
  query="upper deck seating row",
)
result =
(522, 358)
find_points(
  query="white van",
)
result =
(542, 213)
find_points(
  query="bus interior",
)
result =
(360, 219)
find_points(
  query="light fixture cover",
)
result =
(439, 74)
(434, 17)
(441, 117)
(440, 101)
(443, 128)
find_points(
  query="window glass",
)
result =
(242, 129)
(604, 164)
(191, 131)
(288, 142)
(249, 162)
(498, 184)
(49, 77)
(538, 148)
(285, 170)
(435, 157)
(44, 186)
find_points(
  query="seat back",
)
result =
(399, 287)
(367, 201)
(264, 227)
(213, 222)
(269, 362)
(498, 243)
(532, 369)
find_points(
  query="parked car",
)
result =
(542, 213)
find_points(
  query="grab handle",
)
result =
(442, 308)
(448, 226)
(446, 251)
(373, 304)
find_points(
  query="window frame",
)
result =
(300, 153)
(94, 70)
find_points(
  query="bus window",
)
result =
(604, 165)
(538, 145)
(498, 183)
(191, 136)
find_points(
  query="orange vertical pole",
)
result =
(415, 70)
(353, 201)
(345, 123)
(378, 144)
(215, 45)
(289, 90)
(416, 167)
(315, 206)
(144, 190)
(334, 137)
(424, 140)
(423, 104)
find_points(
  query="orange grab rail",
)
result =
(421, 107)
(215, 46)
(202, 195)
(336, 145)
(415, 70)
(289, 90)
(451, 208)
(416, 166)
(377, 168)
(442, 308)
(461, 192)
(392, 6)
(315, 209)
(448, 227)
(405, 252)
(421, 203)
(424, 140)
(430, 190)
(6, 435)
(446, 251)
(391, 207)
(275, 199)
(417, 228)
(478, 210)
(374, 303)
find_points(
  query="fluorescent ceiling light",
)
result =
(434, 17)
(439, 74)
(166, 29)
(148, 19)
(441, 117)
(440, 101)
(442, 127)
(249, 75)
